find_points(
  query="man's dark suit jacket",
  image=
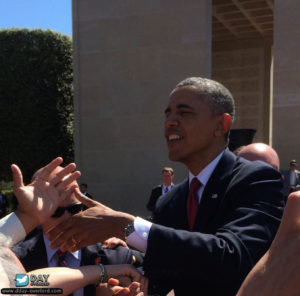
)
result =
(155, 194)
(32, 253)
(237, 219)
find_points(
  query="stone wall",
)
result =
(128, 55)
(244, 68)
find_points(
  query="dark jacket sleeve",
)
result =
(240, 232)
(155, 194)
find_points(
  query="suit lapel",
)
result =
(36, 256)
(173, 207)
(214, 192)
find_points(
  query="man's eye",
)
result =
(185, 112)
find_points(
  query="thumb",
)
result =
(84, 199)
(17, 176)
(290, 222)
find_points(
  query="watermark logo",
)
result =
(22, 280)
(33, 284)
(39, 280)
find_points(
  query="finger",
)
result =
(134, 288)
(69, 244)
(67, 181)
(120, 291)
(84, 199)
(48, 169)
(17, 176)
(58, 177)
(58, 233)
(108, 245)
(67, 193)
(113, 282)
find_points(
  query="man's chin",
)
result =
(173, 156)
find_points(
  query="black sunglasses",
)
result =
(72, 209)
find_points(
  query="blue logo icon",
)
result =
(22, 280)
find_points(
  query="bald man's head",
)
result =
(261, 151)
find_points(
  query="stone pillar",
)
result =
(286, 108)
(128, 56)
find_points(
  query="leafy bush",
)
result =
(36, 99)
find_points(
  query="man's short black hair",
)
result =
(221, 98)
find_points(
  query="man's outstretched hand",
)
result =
(91, 226)
(38, 200)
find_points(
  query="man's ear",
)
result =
(223, 125)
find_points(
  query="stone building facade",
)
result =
(129, 55)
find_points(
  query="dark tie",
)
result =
(61, 262)
(192, 202)
(166, 189)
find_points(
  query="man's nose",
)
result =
(171, 121)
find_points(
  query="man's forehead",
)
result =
(188, 92)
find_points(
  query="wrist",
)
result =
(27, 221)
(124, 220)
(103, 277)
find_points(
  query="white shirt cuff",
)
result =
(12, 228)
(139, 238)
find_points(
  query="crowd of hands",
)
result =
(39, 200)
(277, 273)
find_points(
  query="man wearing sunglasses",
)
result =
(34, 252)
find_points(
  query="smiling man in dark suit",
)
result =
(209, 230)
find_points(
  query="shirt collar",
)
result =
(169, 187)
(51, 252)
(205, 174)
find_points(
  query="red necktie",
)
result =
(192, 202)
(61, 262)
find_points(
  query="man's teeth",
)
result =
(174, 137)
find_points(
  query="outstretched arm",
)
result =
(96, 224)
(72, 279)
(278, 271)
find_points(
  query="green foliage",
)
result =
(36, 99)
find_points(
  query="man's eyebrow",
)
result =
(179, 106)
(184, 106)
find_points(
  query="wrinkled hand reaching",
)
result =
(113, 242)
(125, 280)
(38, 200)
(113, 288)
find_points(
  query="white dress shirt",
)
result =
(12, 229)
(139, 238)
(163, 188)
(293, 178)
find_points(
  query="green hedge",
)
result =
(36, 99)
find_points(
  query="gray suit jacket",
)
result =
(287, 182)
